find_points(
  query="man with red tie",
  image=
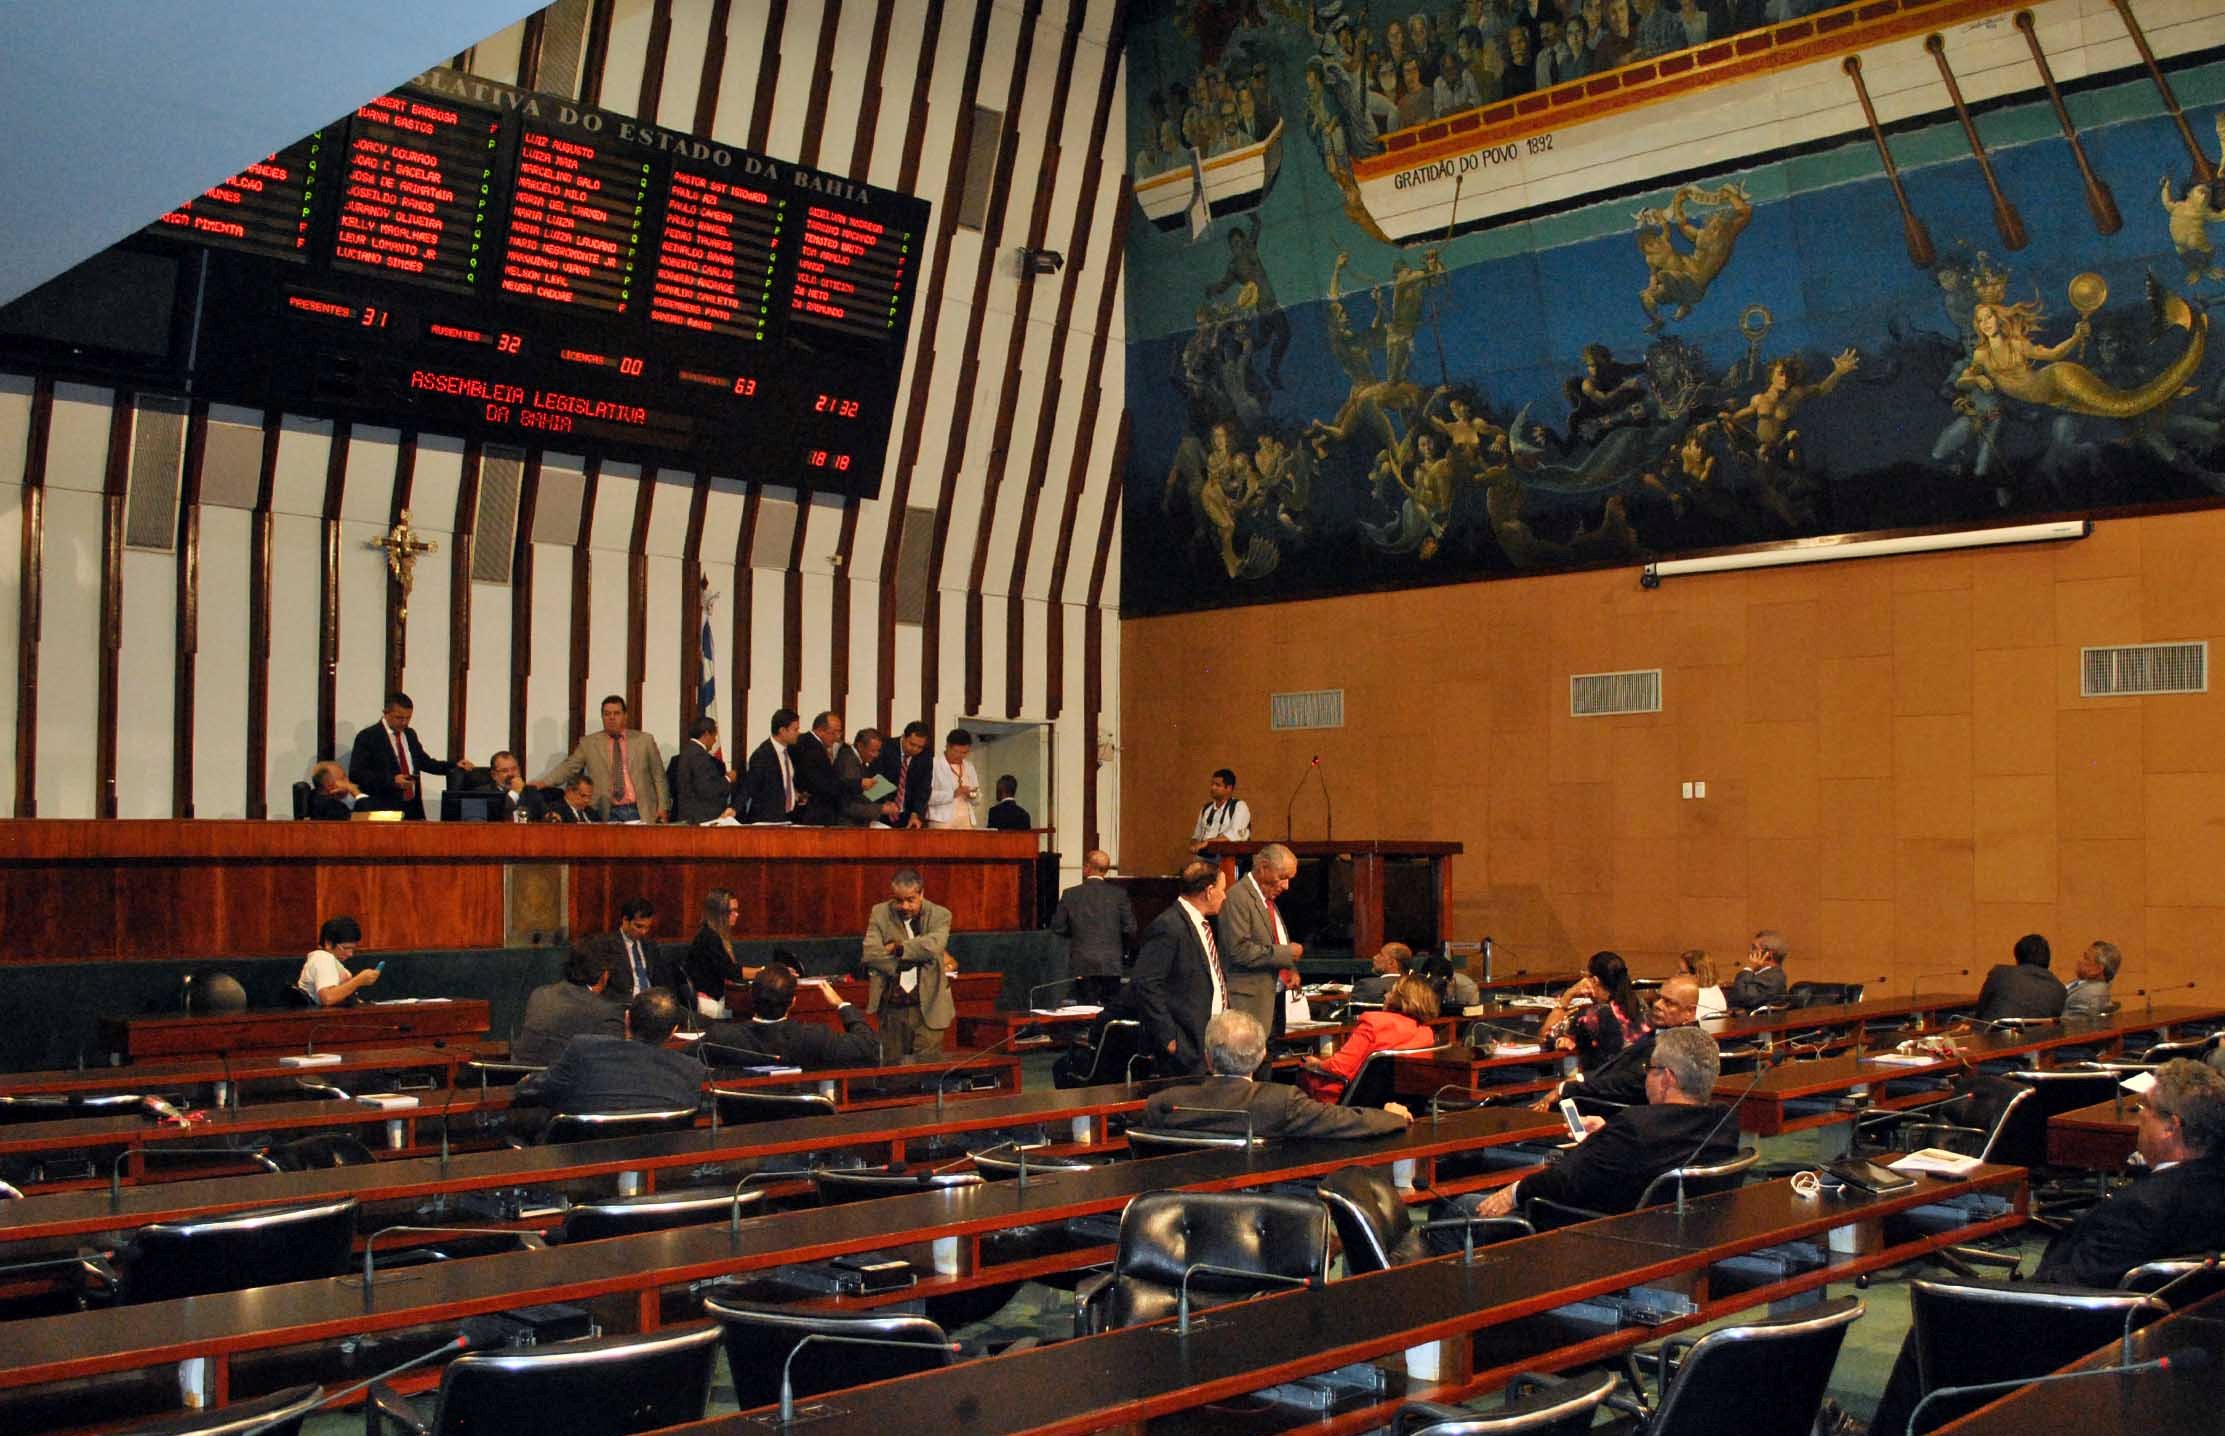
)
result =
(1179, 982)
(387, 760)
(905, 763)
(1262, 960)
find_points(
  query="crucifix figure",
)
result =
(401, 546)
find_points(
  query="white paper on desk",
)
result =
(1903, 1059)
(1545, 1004)
(1078, 1009)
(1939, 1160)
(727, 820)
(2139, 1084)
(1516, 1049)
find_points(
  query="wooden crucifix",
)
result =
(401, 546)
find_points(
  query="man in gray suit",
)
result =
(557, 1013)
(1262, 960)
(1099, 926)
(907, 957)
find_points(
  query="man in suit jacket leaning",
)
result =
(1608, 1170)
(387, 760)
(907, 957)
(1236, 1047)
(573, 1004)
(1179, 982)
(699, 785)
(769, 790)
(851, 778)
(906, 764)
(625, 764)
(1099, 926)
(809, 1045)
(633, 1073)
(630, 953)
(1261, 959)
(576, 804)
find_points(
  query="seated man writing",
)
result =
(633, 1073)
(1676, 1126)
(771, 1031)
(1235, 1046)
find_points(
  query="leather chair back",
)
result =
(1372, 1222)
(652, 1212)
(1548, 1407)
(1003, 1160)
(322, 1151)
(1700, 1179)
(168, 1260)
(837, 1185)
(1377, 1080)
(1766, 1379)
(1162, 1234)
(759, 1336)
(1119, 1044)
(2067, 1089)
(2196, 1277)
(2007, 1111)
(1147, 1142)
(1966, 1332)
(278, 1414)
(302, 794)
(608, 1386)
(746, 1106)
(1823, 994)
(591, 1126)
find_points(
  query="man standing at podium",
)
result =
(1262, 960)
(907, 941)
(1225, 817)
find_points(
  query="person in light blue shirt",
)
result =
(2089, 990)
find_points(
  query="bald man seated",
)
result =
(1235, 1046)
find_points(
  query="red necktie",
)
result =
(903, 772)
(624, 785)
(1213, 955)
(1274, 921)
(401, 754)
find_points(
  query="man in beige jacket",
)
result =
(625, 764)
(907, 959)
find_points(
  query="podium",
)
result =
(1362, 893)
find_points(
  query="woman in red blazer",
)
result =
(1402, 1025)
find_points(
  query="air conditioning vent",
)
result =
(915, 550)
(1323, 708)
(156, 474)
(1599, 695)
(495, 528)
(2138, 668)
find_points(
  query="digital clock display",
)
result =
(468, 257)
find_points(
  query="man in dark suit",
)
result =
(2024, 988)
(906, 764)
(630, 953)
(2178, 1209)
(852, 776)
(1179, 981)
(1761, 977)
(829, 799)
(1608, 1170)
(333, 798)
(633, 1073)
(809, 1045)
(1099, 926)
(769, 791)
(577, 805)
(387, 760)
(564, 1009)
(699, 786)
(1005, 814)
(1236, 1047)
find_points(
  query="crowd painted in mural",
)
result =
(1717, 367)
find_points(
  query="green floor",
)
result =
(1046, 1313)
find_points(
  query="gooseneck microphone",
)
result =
(962, 1063)
(2150, 992)
(2192, 1358)
(2207, 1265)
(531, 1241)
(1328, 809)
(1045, 987)
(1182, 1294)
(1728, 1112)
(787, 1367)
(453, 1346)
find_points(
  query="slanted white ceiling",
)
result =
(113, 112)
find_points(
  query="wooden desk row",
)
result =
(943, 1230)
(152, 1036)
(439, 1056)
(2186, 1398)
(1445, 1330)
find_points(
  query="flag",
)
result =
(706, 689)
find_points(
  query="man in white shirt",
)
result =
(956, 787)
(324, 973)
(1225, 817)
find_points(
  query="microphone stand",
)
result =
(2149, 992)
(787, 1368)
(1043, 987)
(1182, 1295)
(1917, 983)
(1728, 1112)
(2208, 1264)
(734, 1203)
(1441, 1091)
(269, 1423)
(2191, 1358)
(962, 1063)
(532, 1241)
(1328, 809)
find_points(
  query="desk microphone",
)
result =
(734, 1203)
(1760, 1072)
(962, 1063)
(1182, 1295)
(2149, 992)
(1045, 987)
(531, 1241)
(1487, 957)
(2207, 1265)
(1476, 1092)
(2192, 1358)
(454, 1345)
(1019, 1150)
(1916, 985)
(787, 1372)
(1289, 809)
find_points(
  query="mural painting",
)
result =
(1740, 354)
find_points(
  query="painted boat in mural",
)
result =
(1236, 181)
(1749, 96)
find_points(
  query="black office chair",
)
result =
(593, 1126)
(839, 1185)
(64, 1106)
(717, 1055)
(1970, 1332)
(607, 1386)
(1121, 1054)
(1995, 1119)
(302, 793)
(293, 996)
(651, 1212)
(1376, 1227)
(2196, 1278)
(1696, 1179)
(1763, 1379)
(1535, 1406)
(278, 1414)
(1377, 1080)
(321, 1151)
(760, 1336)
(740, 1108)
(493, 1073)
(1163, 1234)
(167, 1260)
(2158, 1053)
(1823, 994)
